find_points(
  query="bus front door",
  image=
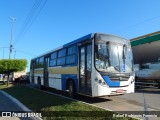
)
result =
(46, 65)
(85, 67)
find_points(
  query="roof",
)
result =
(145, 39)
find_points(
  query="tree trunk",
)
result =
(8, 80)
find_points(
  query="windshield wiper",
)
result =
(124, 52)
(107, 47)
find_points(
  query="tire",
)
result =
(39, 82)
(159, 85)
(71, 88)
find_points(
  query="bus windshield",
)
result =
(113, 57)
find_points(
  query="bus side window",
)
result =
(71, 50)
(71, 55)
(53, 60)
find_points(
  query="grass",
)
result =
(41, 101)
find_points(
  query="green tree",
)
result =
(8, 66)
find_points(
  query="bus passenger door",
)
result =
(46, 73)
(33, 67)
(85, 65)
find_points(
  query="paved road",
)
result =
(142, 100)
(150, 95)
(7, 105)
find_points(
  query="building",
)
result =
(146, 49)
(18, 74)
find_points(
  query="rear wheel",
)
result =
(39, 82)
(71, 87)
(159, 85)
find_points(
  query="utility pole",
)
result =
(10, 47)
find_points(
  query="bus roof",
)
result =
(89, 36)
(79, 40)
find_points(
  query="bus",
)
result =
(96, 65)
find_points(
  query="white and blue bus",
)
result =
(96, 65)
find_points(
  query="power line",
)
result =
(21, 51)
(3, 47)
(24, 52)
(141, 22)
(33, 14)
(26, 22)
(28, 19)
(37, 13)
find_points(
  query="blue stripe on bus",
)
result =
(111, 83)
(67, 76)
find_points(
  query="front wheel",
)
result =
(72, 92)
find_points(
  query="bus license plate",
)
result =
(119, 90)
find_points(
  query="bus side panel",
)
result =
(59, 81)
(58, 76)
(65, 77)
(38, 73)
(35, 78)
(55, 81)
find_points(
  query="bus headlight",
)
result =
(103, 83)
(96, 79)
(100, 81)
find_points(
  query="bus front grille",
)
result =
(119, 78)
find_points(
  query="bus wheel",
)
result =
(159, 85)
(71, 89)
(39, 82)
